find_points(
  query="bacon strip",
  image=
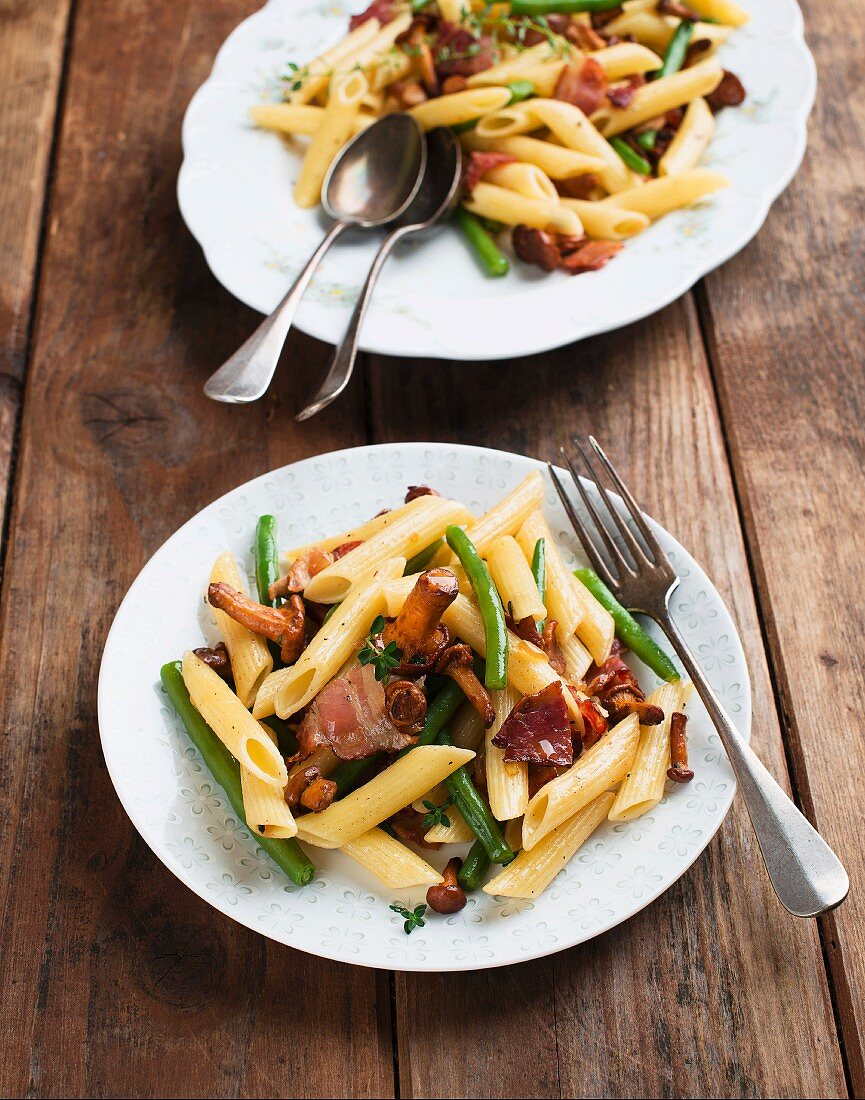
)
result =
(584, 85)
(538, 730)
(478, 165)
(382, 10)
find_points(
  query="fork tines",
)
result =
(640, 558)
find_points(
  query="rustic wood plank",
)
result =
(117, 980)
(786, 328)
(714, 990)
(33, 35)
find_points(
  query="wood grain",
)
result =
(117, 980)
(726, 994)
(33, 36)
(786, 327)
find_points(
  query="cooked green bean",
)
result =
(520, 90)
(224, 769)
(352, 773)
(422, 559)
(646, 139)
(490, 604)
(539, 572)
(631, 157)
(476, 812)
(491, 258)
(628, 630)
(674, 57)
(266, 558)
(475, 866)
(543, 7)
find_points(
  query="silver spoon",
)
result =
(438, 195)
(372, 181)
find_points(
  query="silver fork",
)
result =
(808, 877)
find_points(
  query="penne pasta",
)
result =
(607, 223)
(397, 786)
(691, 140)
(314, 77)
(506, 517)
(458, 832)
(357, 534)
(513, 67)
(627, 59)
(575, 131)
(513, 578)
(722, 11)
(459, 108)
(659, 96)
(502, 205)
(563, 600)
(558, 162)
(532, 871)
(250, 657)
(660, 196)
(264, 806)
(643, 787)
(597, 628)
(597, 770)
(467, 728)
(507, 782)
(337, 126)
(232, 723)
(296, 118)
(525, 179)
(577, 658)
(391, 862)
(284, 692)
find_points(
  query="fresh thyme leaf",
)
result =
(382, 659)
(436, 815)
(413, 918)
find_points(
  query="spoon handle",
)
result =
(247, 374)
(342, 364)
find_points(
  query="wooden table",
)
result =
(736, 415)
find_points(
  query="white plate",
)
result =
(184, 817)
(235, 194)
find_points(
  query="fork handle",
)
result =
(808, 877)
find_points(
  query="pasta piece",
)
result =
(284, 692)
(251, 660)
(533, 871)
(460, 107)
(525, 179)
(691, 140)
(644, 23)
(513, 578)
(337, 126)
(660, 196)
(452, 10)
(597, 628)
(458, 832)
(436, 796)
(467, 728)
(627, 59)
(264, 806)
(232, 723)
(506, 517)
(514, 834)
(314, 77)
(507, 782)
(543, 75)
(659, 96)
(391, 66)
(577, 658)
(722, 11)
(607, 223)
(558, 162)
(357, 534)
(643, 788)
(501, 205)
(397, 786)
(568, 123)
(515, 119)
(563, 599)
(295, 118)
(512, 69)
(391, 862)
(597, 770)
(420, 523)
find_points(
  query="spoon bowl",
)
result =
(373, 180)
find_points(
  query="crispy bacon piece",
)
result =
(346, 548)
(301, 571)
(349, 716)
(408, 826)
(217, 659)
(679, 772)
(583, 84)
(283, 625)
(729, 93)
(526, 628)
(480, 163)
(459, 53)
(550, 646)
(677, 10)
(409, 92)
(594, 722)
(600, 19)
(406, 705)
(382, 10)
(417, 630)
(623, 94)
(456, 662)
(579, 187)
(591, 256)
(538, 729)
(415, 491)
(536, 246)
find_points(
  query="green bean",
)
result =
(224, 769)
(542, 7)
(422, 559)
(539, 572)
(481, 243)
(646, 139)
(330, 612)
(352, 773)
(475, 866)
(628, 630)
(520, 90)
(266, 558)
(439, 712)
(631, 157)
(476, 812)
(674, 57)
(490, 604)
